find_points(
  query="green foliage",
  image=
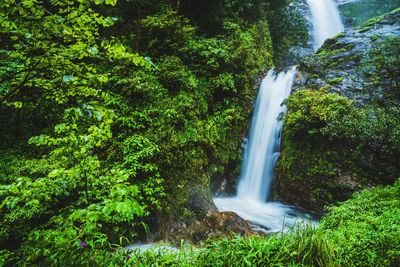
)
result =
(370, 124)
(308, 111)
(364, 230)
(380, 67)
(121, 140)
(359, 232)
(308, 114)
(192, 102)
(55, 51)
(358, 12)
(305, 247)
(166, 33)
(49, 56)
(78, 194)
(59, 247)
(163, 256)
(74, 149)
(332, 147)
(374, 131)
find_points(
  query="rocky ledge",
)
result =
(318, 174)
(214, 225)
(336, 65)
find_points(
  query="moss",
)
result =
(328, 53)
(371, 22)
(314, 76)
(374, 38)
(310, 159)
(342, 34)
(325, 55)
(303, 162)
(310, 164)
(335, 80)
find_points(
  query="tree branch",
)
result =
(27, 78)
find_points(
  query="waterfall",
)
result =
(262, 150)
(325, 19)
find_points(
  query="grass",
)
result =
(362, 231)
(305, 247)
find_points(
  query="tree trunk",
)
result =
(137, 44)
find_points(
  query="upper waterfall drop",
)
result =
(326, 20)
(262, 150)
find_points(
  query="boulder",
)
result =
(213, 225)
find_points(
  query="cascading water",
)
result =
(261, 154)
(325, 19)
(263, 147)
(262, 150)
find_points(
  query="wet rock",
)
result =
(336, 65)
(315, 193)
(200, 201)
(298, 53)
(213, 225)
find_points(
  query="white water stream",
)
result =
(326, 20)
(262, 150)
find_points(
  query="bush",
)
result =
(365, 230)
(309, 110)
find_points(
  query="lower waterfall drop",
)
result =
(262, 151)
(261, 154)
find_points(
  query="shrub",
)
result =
(365, 230)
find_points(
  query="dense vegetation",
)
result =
(360, 232)
(358, 12)
(114, 115)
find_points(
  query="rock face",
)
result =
(298, 53)
(204, 221)
(200, 201)
(337, 63)
(214, 225)
(324, 173)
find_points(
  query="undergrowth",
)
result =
(296, 247)
(362, 231)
